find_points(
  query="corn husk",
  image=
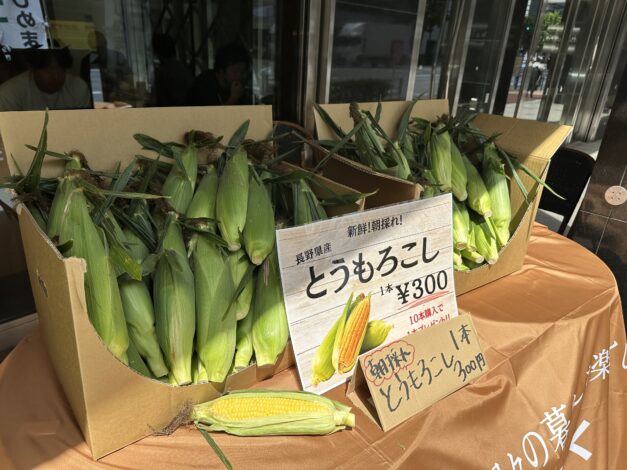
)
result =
(232, 198)
(439, 154)
(270, 331)
(239, 264)
(460, 225)
(258, 237)
(180, 183)
(104, 304)
(273, 412)
(459, 176)
(376, 333)
(493, 172)
(486, 243)
(174, 303)
(478, 197)
(307, 207)
(215, 318)
(203, 205)
(244, 343)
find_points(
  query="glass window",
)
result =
(371, 50)
(153, 53)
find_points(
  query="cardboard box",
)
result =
(113, 405)
(532, 142)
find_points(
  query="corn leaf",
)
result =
(214, 446)
(117, 185)
(239, 135)
(339, 145)
(30, 182)
(402, 125)
(150, 143)
(329, 122)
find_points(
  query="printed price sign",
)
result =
(362, 280)
(22, 24)
(408, 375)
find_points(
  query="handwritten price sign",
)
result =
(408, 375)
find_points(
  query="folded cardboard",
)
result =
(113, 405)
(533, 143)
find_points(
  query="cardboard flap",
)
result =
(524, 138)
(105, 136)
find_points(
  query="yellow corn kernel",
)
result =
(269, 412)
(350, 336)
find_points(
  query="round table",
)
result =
(555, 395)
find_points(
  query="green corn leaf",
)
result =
(214, 446)
(150, 143)
(329, 122)
(239, 135)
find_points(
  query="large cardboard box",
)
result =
(114, 406)
(532, 142)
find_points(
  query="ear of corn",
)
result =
(459, 177)
(439, 152)
(215, 318)
(258, 236)
(472, 255)
(496, 184)
(460, 226)
(140, 318)
(322, 368)
(307, 207)
(199, 374)
(350, 336)
(232, 198)
(457, 258)
(486, 244)
(269, 412)
(244, 343)
(180, 183)
(135, 361)
(461, 268)
(174, 304)
(239, 265)
(376, 333)
(270, 331)
(65, 187)
(478, 197)
(104, 304)
(136, 247)
(203, 205)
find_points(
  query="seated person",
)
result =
(46, 84)
(224, 85)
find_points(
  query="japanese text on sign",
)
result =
(410, 374)
(22, 24)
(398, 257)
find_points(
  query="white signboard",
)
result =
(397, 260)
(22, 24)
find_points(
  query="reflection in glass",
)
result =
(371, 51)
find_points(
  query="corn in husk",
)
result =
(460, 225)
(258, 236)
(203, 205)
(232, 198)
(270, 412)
(496, 183)
(64, 189)
(439, 153)
(239, 264)
(485, 242)
(104, 304)
(459, 176)
(376, 333)
(478, 197)
(181, 181)
(174, 303)
(136, 362)
(307, 207)
(215, 317)
(270, 330)
(244, 343)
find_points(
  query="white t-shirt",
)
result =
(22, 94)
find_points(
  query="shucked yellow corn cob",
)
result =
(269, 412)
(350, 336)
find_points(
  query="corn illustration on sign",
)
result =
(359, 281)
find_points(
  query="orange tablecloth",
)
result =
(555, 396)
